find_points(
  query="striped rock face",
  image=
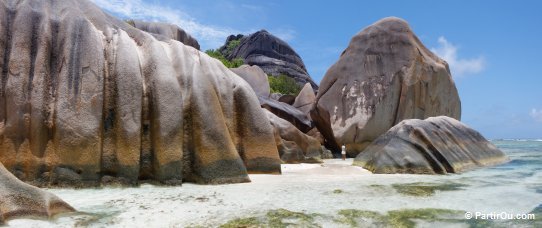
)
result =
(384, 76)
(18, 199)
(86, 98)
(437, 145)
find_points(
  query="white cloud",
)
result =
(284, 34)
(458, 66)
(536, 114)
(251, 7)
(207, 35)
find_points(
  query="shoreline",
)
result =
(326, 189)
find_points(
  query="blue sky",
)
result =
(493, 47)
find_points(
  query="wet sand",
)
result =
(307, 188)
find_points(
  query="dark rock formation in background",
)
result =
(18, 199)
(256, 78)
(224, 49)
(166, 31)
(294, 146)
(437, 145)
(287, 98)
(270, 53)
(385, 75)
(85, 97)
(287, 112)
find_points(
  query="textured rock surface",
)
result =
(326, 154)
(84, 96)
(293, 145)
(256, 78)
(166, 31)
(437, 145)
(305, 99)
(317, 135)
(18, 199)
(287, 98)
(270, 53)
(287, 112)
(384, 76)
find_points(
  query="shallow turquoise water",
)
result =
(525, 166)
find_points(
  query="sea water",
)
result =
(494, 196)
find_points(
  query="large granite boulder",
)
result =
(85, 96)
(305, 99)
(287, 112)
(437, 145)
(166, 31)
(256, 78)
(18, 199)
(294, 146)
(385, 75)
(270, 53)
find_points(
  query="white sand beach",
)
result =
(309, 188)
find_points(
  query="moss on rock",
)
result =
(421, 189)
(285, 218)
(353, 217)
(403, 218)
(249, 222)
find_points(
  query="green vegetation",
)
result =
(130, 22)
(352, 217)
(284, 85)
(276, 218)
(377, 186)
(426, 189)
(242, 222)
(237, 62)
(404, 218)
(231, 46)
(88, 219)
(338, 191)
(234, 63)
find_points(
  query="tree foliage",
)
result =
(234, 63)
(231, 46)
(130, 22)
(284, 85)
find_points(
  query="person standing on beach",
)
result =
(343, 152)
